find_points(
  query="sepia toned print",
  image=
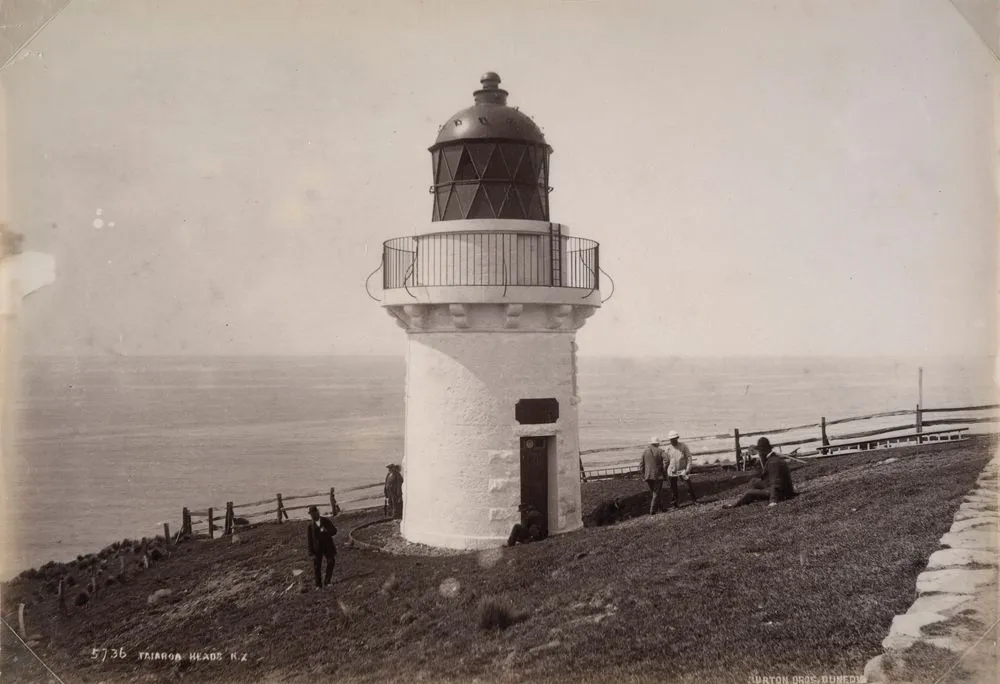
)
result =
(564, 342)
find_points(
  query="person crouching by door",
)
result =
(394, 491)
(320, 537)
(533, 526)
(678, 466)
(651, 468)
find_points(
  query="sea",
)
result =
(110, 447)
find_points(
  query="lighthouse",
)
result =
(490, 293)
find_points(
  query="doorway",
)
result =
(535, 473)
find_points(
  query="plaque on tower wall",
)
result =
(536, 411)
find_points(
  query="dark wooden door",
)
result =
(535, 473)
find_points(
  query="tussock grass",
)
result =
(497, 614)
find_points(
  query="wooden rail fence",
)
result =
(821, 442)
(224, 520)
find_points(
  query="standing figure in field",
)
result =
(775, 481)
(651, 468)
(678, 466)
(533, 526)
(320, 538)
(394, 491)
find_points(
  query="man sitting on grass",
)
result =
(532, 527)
(775, 481)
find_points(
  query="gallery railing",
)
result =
(505, 259)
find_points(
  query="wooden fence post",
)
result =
(281, 507)
(166, 533)
(229, 518)
(185, 520)
(334, 508)
(822, 433)
(20, 621)
(920, 425)
(583, 473)
(211, 524)
(740, 465)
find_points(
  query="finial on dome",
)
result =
(491, 92)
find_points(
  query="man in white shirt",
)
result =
(678, 458)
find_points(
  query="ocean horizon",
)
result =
(109, 447)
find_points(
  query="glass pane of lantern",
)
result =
(534, 156)
(440, 200)
(452, 209)
(480, 155)
(525, 196)
(481, 207)
(513, 208)
(466, 170)
(512, 154)
(543, 168)
(534, 206)
(436, 166)
(525, 171)
(497, 194)
(451, 155)
(465, 194)
(496, 169)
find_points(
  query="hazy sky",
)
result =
(781, 177)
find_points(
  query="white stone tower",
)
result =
(490, 294)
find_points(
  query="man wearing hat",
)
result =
(320, 537)
(775, 481)
(651, 468)
(533, 526)
(678, 466)
(394, 491)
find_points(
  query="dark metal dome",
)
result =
(490, 118)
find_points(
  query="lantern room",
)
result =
(490, 161)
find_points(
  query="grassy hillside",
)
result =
(700, 594)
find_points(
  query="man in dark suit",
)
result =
(775, 481)
(533, 526)
(320, 537)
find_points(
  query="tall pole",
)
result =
(920, 387)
